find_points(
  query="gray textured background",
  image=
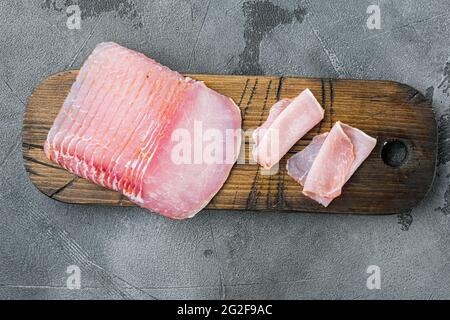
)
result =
(129, 253)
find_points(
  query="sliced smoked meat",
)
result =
(120, 124)
(299, 164)
(326, 164)
(289, 120)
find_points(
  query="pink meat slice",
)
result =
(117, 124)
(299, 164)
(274, 112)
(288, 121)
(329, 161)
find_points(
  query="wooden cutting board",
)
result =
(394, 178)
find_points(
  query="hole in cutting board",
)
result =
(394, 153)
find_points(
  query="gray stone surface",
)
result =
(129, 253)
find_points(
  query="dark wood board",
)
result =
(386, 110)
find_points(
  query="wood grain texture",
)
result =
(385, 110)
